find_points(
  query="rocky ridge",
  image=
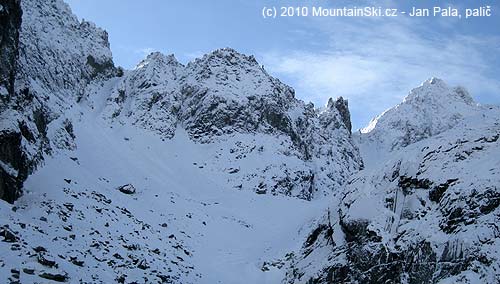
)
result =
(424, 214)
(413, 198)
(225, 98)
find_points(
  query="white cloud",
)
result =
(145, 51)
(376, 62)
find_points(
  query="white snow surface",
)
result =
(227, 234)
(198, 142)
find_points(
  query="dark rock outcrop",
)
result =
(54, 276)
(14, 168)
(342, 106)
(8, 235)
(12, 172)
(10, 23)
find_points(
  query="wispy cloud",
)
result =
(376, 62)
(145, 51)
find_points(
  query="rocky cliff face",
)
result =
(146, 96)
(48, 57)
(425, 214)
(237, 127)
(413, 198)
(226, 98)
(11, 157)
(10, 22)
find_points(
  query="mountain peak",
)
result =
(434, 81)
(158, 57)
(436, 91)
(90, 131)
(342, 106)
(230, 53)
(429, 109)
(226, 56)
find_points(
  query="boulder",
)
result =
(127, 189)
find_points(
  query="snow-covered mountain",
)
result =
(214, 172)
(268, 141)
(428, 110)
(425, 209)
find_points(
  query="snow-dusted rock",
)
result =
(233, 124)
(279, 144)
(418, 203)
(148, 95)
(127, 189)
(59, 53)
(55, 56)
(425, 214)
(428, 110)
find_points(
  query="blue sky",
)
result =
(373, 62)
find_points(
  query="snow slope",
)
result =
(229, 178)
(196, 142)
(213, 234)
